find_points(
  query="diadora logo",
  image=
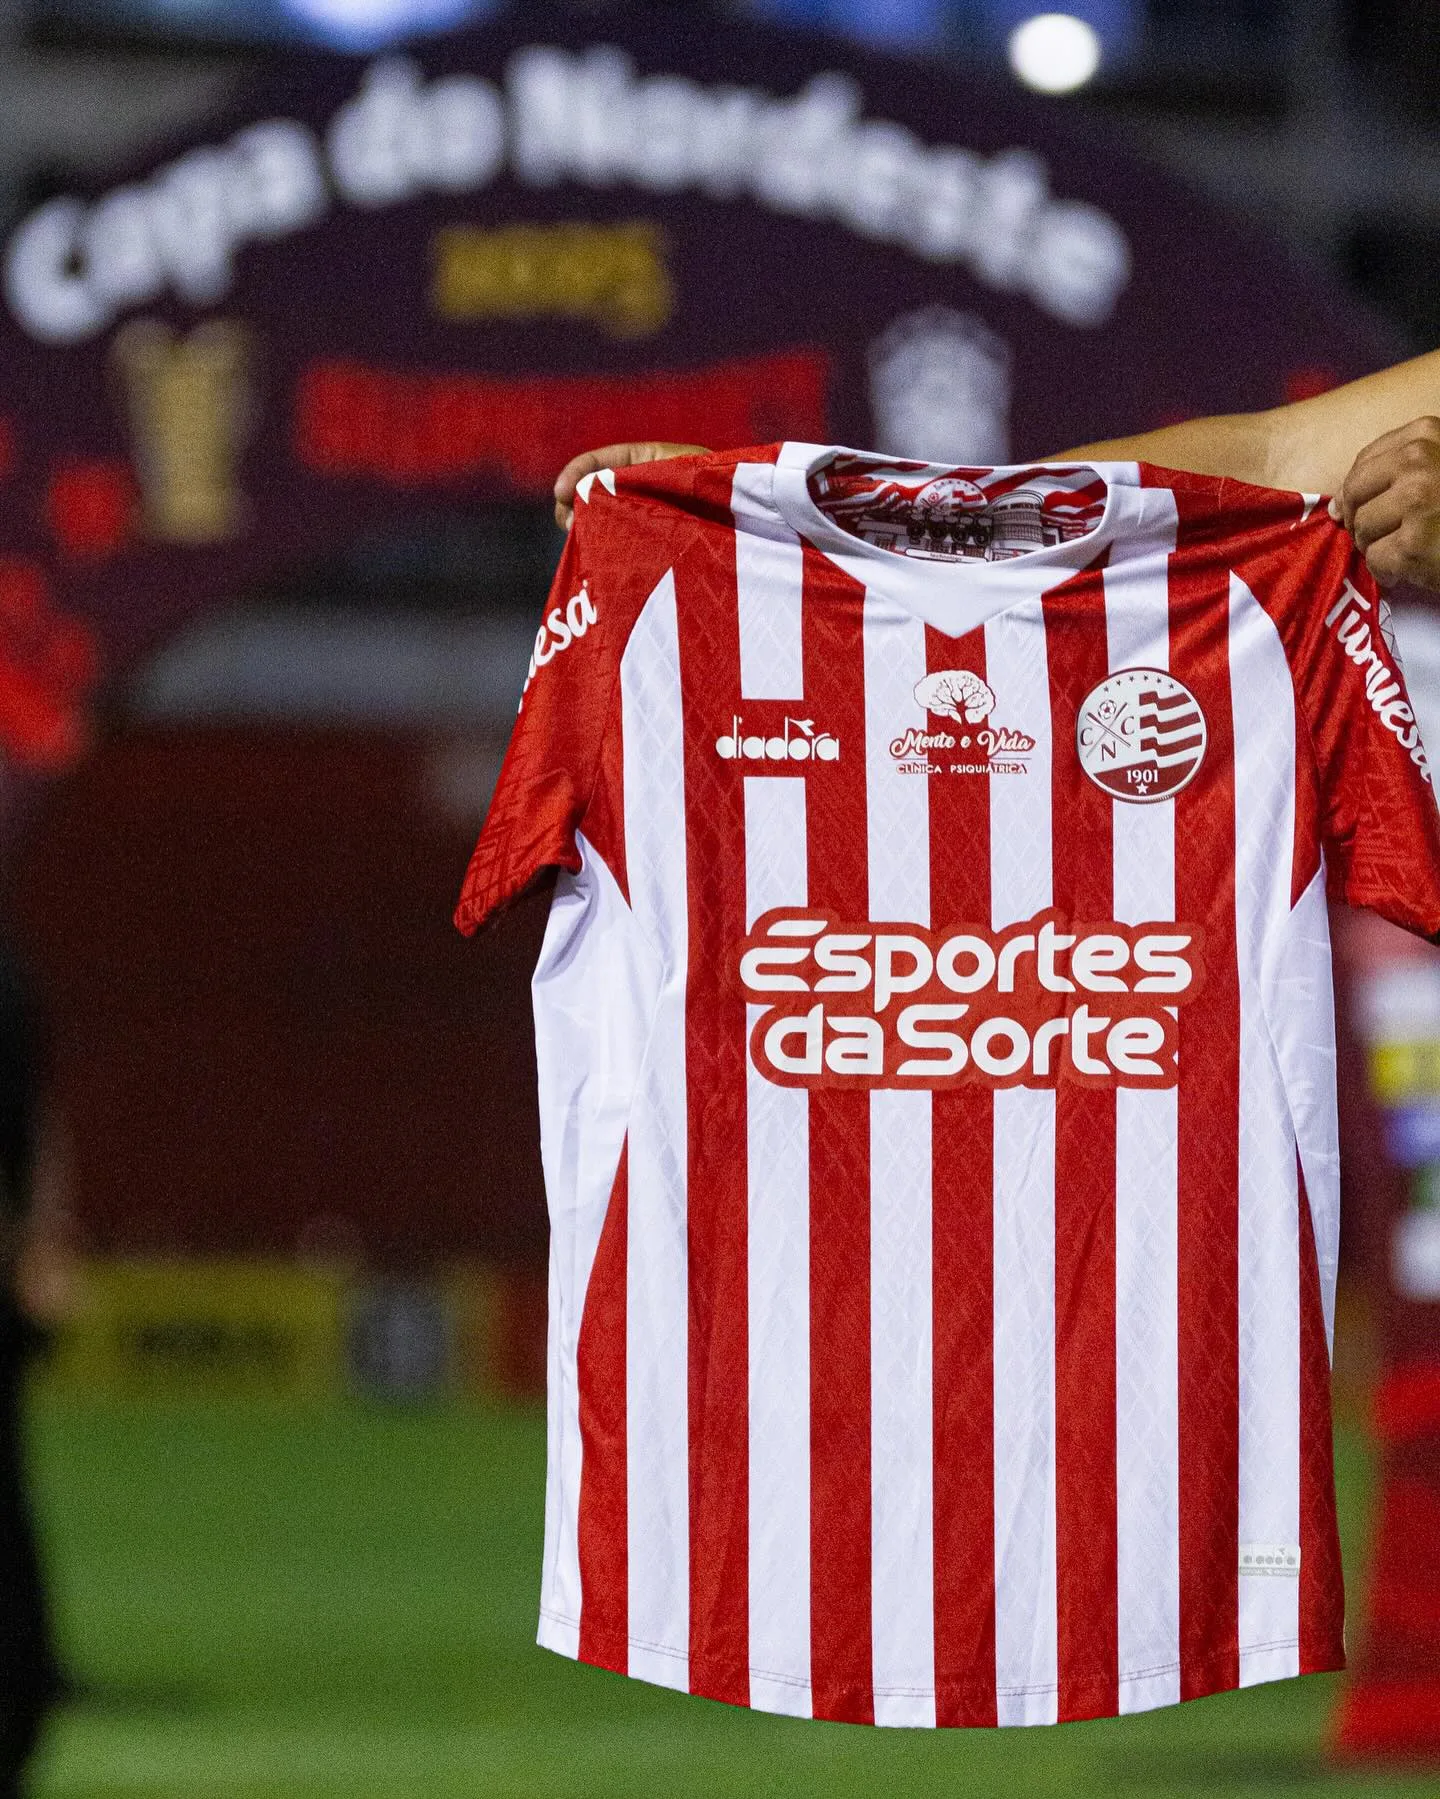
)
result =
(564, 626)
(1373, 650)
(895, 1005)
(797, 741)
(960, 694)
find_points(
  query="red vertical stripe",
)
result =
(604, 821)
(962, 1133)
(1086, 1517)
(1208, 1150)
(840, 1615)
(604, 1507)
(715, 1072)
(600, 1353)
(1322, 1583)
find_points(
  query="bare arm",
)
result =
(46, 1275)
(1308, 447)
(1237, 445)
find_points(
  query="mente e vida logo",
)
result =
(864, 1005)
(980, 746)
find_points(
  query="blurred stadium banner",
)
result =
(219, 1328)
(237, 1329)
(432, 277)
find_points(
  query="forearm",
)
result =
(1237, 446)
(1307, 447)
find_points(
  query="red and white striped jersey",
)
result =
(937, 1075)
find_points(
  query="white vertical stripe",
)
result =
(1018, 672)
(769, 572)
(1147, 1404)
(778, 1238)
(1262, 698)
(1026, 1651)
(657, 1306)
(1300, 982)
(560, 1567)
(902, 1413)
(769, 578)
(902, 1455)
(1147, 1252)
(897, 806)
(594, 987)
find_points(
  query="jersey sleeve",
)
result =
(1378, 822)
(551, 764)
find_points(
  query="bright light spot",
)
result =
(362, 22)
(1054, 52)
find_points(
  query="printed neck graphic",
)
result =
(942, 514)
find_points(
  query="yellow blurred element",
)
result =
(209, 1328)
(235, 1329)
(1356, 1363)
(616, 276)
(1401, 1071)
(190, 407)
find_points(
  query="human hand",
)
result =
(47, 1278)
(46, 1267)
(1390, 504)
(612, 456)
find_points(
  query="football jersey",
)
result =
(937, 1073)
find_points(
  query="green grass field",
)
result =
(293, 1605)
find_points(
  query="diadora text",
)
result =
(798, 740)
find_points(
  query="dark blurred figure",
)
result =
(31, 1270)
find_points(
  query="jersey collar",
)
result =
(953, 597)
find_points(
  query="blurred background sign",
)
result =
(281, 407)
(425, 279)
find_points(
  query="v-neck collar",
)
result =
(952, 596)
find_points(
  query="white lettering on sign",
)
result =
(73, 267)
(398, 138)
(589, 117)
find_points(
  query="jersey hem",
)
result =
(788, 1695)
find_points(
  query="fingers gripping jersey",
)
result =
(936, 1055)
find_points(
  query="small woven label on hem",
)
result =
(1270, 1558)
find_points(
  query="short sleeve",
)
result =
(550, 765)
(1378, 821)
